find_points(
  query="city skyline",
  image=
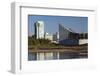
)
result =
(51, 23)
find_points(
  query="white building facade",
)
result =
(39, 29)
(48, 36)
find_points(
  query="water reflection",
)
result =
(56, 55)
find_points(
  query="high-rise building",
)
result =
(39, 29)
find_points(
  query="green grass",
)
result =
(45, 43)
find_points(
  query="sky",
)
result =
(51, 23)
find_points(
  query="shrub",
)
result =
(33, 41)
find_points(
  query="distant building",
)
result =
(83, 35)
(39, 29)
(83, 38)
(48, 36)
(56, 37)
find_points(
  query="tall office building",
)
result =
(39, 29)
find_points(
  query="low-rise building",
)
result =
(48, 36)
(56, 37)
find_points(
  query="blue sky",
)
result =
(51, 23)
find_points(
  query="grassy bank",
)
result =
(47, 44)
